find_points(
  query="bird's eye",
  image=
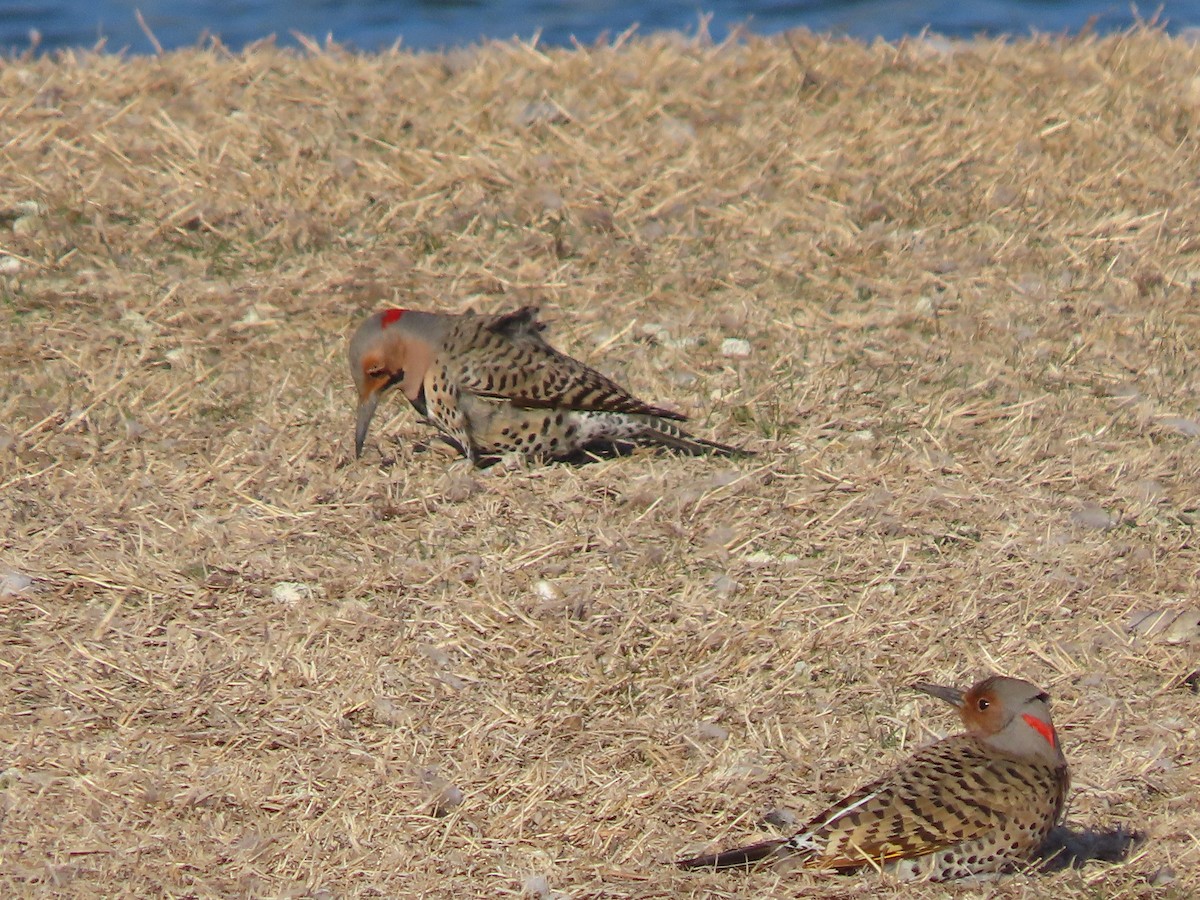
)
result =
(983, 703)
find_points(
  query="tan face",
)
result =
(983, 710)
(372, 376)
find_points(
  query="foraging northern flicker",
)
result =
(975, 803)
(492, 385)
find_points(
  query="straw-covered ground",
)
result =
(235, 661)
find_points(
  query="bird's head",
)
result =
(394, 346)
(1008, 714)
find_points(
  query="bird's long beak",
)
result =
(366, 409)
(953, 696)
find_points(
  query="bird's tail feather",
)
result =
(742, 856)
(671, 435)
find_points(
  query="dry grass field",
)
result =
(236, 662)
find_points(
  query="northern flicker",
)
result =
(492, 385)
(975, 803)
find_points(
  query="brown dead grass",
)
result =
(250, 666)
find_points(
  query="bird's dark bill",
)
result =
(366, 409)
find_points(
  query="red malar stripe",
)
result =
(1043, 728)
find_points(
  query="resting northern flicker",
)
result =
(492, 385)
(975, 803)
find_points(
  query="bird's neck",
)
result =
(1027, 747)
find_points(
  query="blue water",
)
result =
(424, 24)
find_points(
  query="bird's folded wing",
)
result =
(512, 362)
(945, 795)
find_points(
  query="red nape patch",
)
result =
(1045, 729)
(392, 315)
